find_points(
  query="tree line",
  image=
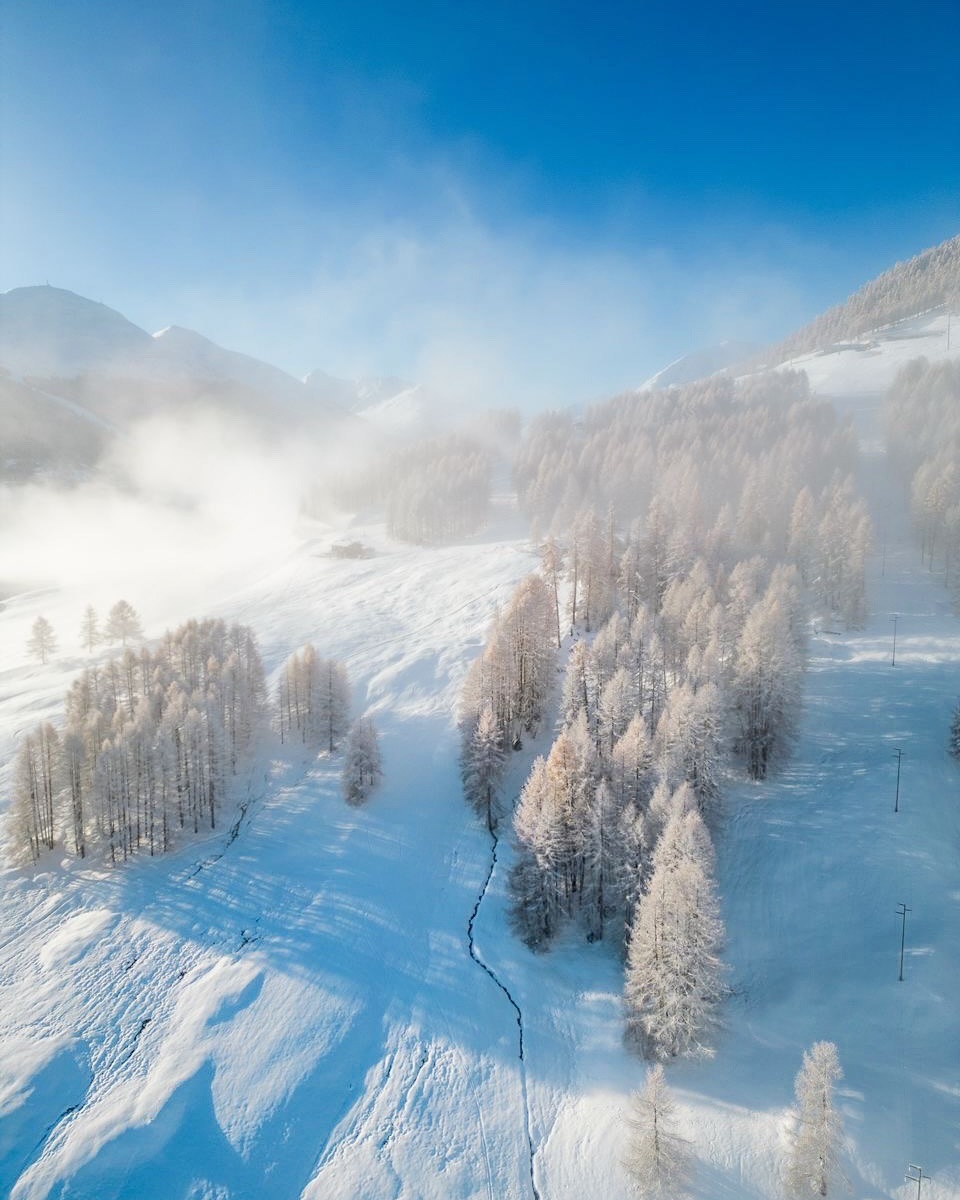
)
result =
(122, 625)
(151, 740)
(922, 412)
(928, 280)
(721, 470)
(683, 605)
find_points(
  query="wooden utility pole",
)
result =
(896, 799)
(902, 911)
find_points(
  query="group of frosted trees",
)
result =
(122, 625)
(512, 677)
(648, 705)
(923, 442)
(716, 470)
(437, 490)
(313, 708)
(659, 1162)
(927, 281)
(690, 535)
(313, 700)
(149, 742)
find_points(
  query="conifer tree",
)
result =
(123, 623)
(658, 1162)
(955, 732)
(42, 642)
(813, 1167)
(36, 789)
(89, 629)
(481, 766)
(362, 766)
(674, 975)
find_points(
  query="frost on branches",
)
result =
(149, 743)
(481, 766)
(813, 1168)
(658, 1162)
(674, 977)
(313, 700)
(362, 767)
(42, 643)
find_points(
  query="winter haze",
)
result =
(479, 576)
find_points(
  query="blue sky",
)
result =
(526, 203)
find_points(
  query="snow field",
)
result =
(223, 1006)
(295, 1012)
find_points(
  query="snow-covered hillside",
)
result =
(90, 354)
(868, 366)
(325, 1002)
(698, 364)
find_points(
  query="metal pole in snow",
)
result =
(917, 1179)
(896, 801)
(902, 911)
(895, 618)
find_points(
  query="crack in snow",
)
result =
(475, 955)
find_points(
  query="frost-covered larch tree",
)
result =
(674, 976)
(813, 1168)
(313, 699)
(362, 764)
(481, 766)
(767, 682)
(123, 623)
(42, 642)
(36, 789)
(89, 629)
(658, 1162)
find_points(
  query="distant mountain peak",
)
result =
(699, 364)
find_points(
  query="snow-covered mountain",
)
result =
(698, 364)
(48, 332)
(91, 362)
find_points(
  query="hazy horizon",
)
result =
(540, 207)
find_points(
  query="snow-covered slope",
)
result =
(49, 332)
(871, 364)
(698, 364)
(291, 1007)
(325, 1002)
(389, 405)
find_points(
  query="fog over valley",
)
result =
(479, 595)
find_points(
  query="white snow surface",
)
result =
(859, 372)
(291, 1008)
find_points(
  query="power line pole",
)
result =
(896, 801)
(917, 1179)
(895, 618)
(902, 911)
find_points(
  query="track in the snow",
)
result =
(474, 954)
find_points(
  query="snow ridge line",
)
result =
(474, 954)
